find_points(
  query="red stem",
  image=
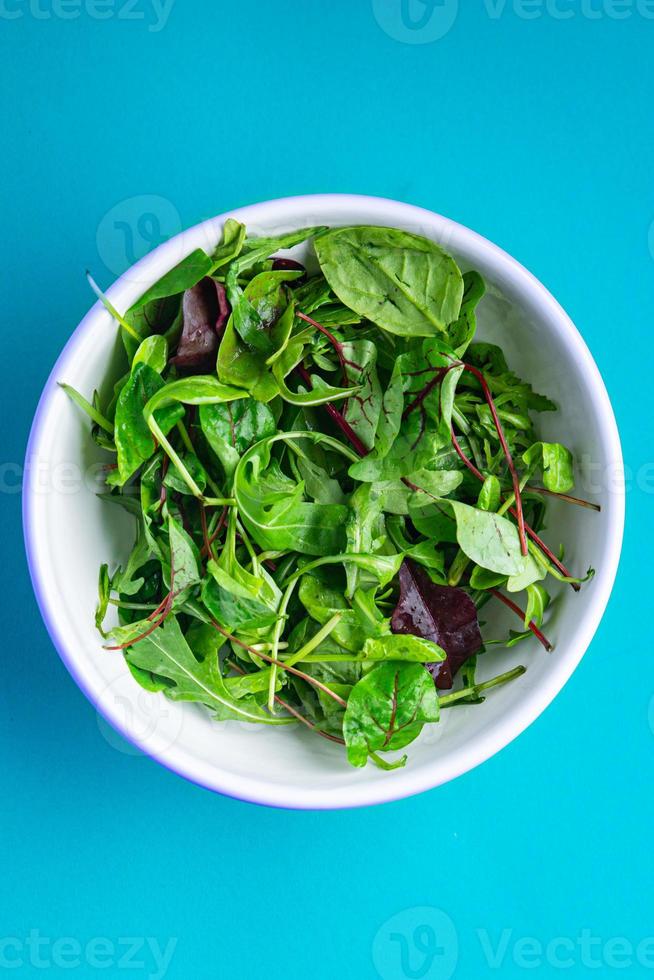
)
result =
(292, 711)
(530, 531)
(507, 453)
(338, 418)
(516, 609)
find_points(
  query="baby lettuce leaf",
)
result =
(364, 530)
(420, 489)
(447, 616)
(387, 709)
(424, 418)
(275, 513)
(556, 464)
(461, 332)
(184, 559)
(174, 479)
(167, 654)
(322, 602)
(232, 427)
(404, 283)
(160, 316)
(134, 441)
(265, 315)
(257, 309)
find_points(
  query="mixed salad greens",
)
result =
(330, 478)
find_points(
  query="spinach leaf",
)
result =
(404, 283)
(387, 710)
(232, 427)
(153, 351)
(409, 648)
(134, 440)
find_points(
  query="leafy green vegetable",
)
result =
(330, 476)
(402, 282)
(556, 464)
(387, 710)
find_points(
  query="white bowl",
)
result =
(69, 533)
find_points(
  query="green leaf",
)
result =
(183, 276)
(274, 511)
(397, 496)
(166, 653)
(174, 478)
(184, 557)
(232, 427)
(257, 249)
(322, 602)
(404, 283)
(230, 246)
(487, 539)
(490, 495)
(90, 410)
(387, 709)
(153, 351)
(408, 648)
(556, 463)
(238, 599)
(537, 602)
(134, 440)
(104, 592)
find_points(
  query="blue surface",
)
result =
(535, 132)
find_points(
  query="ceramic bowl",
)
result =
(70, 532)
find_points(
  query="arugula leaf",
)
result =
(166, 653)
(274, 511)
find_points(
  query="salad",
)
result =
(330, 478)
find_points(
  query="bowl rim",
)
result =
(502, 731)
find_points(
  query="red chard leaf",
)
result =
(440, 613)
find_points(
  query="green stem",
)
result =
(111, 309)
(315, 641)
(446, 699)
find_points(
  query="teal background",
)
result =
(536, 133)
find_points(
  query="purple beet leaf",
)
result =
(440, 613)
(206, 311)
